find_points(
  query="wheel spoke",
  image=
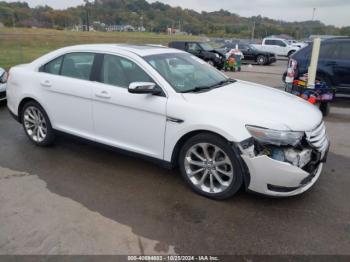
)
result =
(226, 161)
(194, 151)
(226, 173)
(201, 181)
(216, 151)
(211, 183)
(35, 113)
(41, 133)
(196, 163)
(205, 151)
(38, 133)
(197, 171)
(27, 118)
(219, 179)
(31, 114)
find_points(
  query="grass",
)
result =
(22, 45)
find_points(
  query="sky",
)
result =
(330, 12)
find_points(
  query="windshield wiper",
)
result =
(224, 82)
(207, 88)
(197, 89)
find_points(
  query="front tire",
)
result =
(261, 60)
(210, 166)
(37, 124)
(210, 63)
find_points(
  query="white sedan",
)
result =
(170, 106)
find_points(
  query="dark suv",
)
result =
(201, 50)
(333, 65)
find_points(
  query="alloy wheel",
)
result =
(209, 168)
(35, 124)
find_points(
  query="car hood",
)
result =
(258, 105)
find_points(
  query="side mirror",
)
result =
(144, 88)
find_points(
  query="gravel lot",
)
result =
(78, 198)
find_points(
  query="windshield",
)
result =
(206, 47)
(186, 72)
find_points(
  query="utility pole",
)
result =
(87, 20)
(253, 31)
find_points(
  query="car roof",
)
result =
(140, 50)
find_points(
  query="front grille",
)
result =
(318, 139)
(2, 95)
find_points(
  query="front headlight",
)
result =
(275, 137)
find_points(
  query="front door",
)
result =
(134, 122)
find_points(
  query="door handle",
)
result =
(103, 94)
(46, 83)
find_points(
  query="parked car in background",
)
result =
(202, 50)
(333, 64)
(3, 79)
(252, 54)
(297, 43)
(277, 46)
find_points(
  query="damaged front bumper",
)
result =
(276, 178)
(286, 171)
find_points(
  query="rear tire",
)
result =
(210, 166)
(37, 125)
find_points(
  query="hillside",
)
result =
(157, 17)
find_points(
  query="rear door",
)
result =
(66, 81)
(341, 63)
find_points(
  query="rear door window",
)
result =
(53, 67)
(78, 65)
(269, 42)
(342, 51)
(328, 51)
